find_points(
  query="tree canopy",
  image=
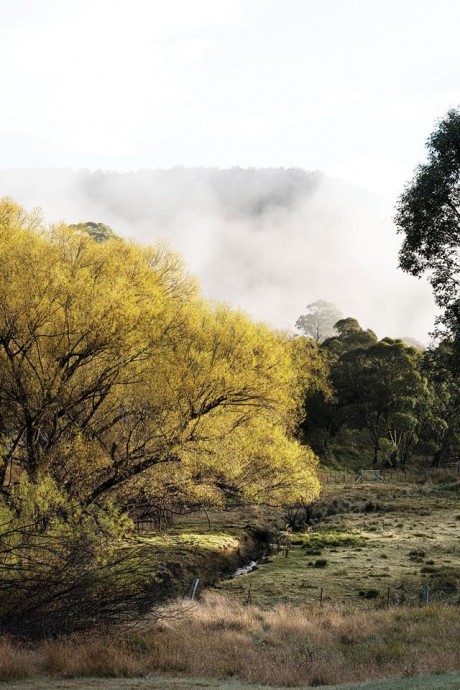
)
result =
(120, 388)
(98, 231)
(319, 322)
(428, 215)
(381, 387)
(118, 379)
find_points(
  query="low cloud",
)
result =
(268, 240)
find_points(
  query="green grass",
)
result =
(367, 551)
(326, 539)
(191, 541)
(447, 681)
(371, 537)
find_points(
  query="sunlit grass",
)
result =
(212, 541)
(281, 645)
(366, 551)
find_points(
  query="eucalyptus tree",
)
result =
(319, 321)
(440, 433)
(428, 216)
(380, 389)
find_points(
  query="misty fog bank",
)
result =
(268, 240)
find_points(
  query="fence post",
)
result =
(388, 598)
(193, 588)
(426, 594)
(321, 597)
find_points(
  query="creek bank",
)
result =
(180, 568)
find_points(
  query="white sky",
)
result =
(351, 87)
(348, 87)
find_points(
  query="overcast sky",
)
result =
(348, 87)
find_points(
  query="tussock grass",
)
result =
(413, 541)
(282, 645)
(321, 540)
(288, 640)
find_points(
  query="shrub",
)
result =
(428, 569)
(446, 582)
(321, 563)
(417, 555)
(68, 578)
(369, 593)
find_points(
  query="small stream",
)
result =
(252, 565)
(245, 569)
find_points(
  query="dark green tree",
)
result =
(380, 388)
(428, 215)
(349, 336)
(327, 415)
(440, 430)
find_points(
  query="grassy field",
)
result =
(267, 628)
(194, 548)
(390, 541)
(282, 645)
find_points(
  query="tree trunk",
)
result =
(437, 457)
(376, 452)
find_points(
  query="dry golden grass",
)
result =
(283, 645)
(288, 640)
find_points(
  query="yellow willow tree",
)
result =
(118, 380)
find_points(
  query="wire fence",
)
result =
(391, 475)
(400, 595)
(385, 597)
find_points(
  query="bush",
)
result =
(63, 578)
(417, 555)
(321, 563)
(371, 507)
(369, 593)
(428, 569)
(446, 582)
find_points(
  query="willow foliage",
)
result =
(118, 380)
